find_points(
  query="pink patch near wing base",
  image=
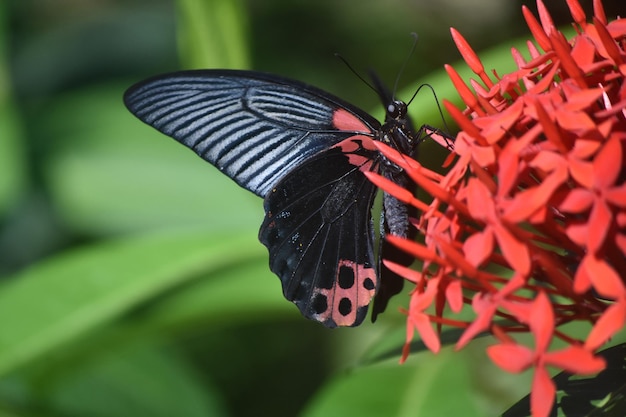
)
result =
(346, 121)
(350, 147)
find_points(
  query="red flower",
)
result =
(515, 358)
(529, 223)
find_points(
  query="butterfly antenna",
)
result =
(404, 64)
(432, 90)
(359, 76)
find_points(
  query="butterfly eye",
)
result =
(396, 109)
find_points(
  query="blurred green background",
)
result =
(132, 282)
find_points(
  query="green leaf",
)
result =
(420, 387)
(138, 380)
(212, 34)
(12, 152)
(450, 383)
(238, 294)
(13, 179)
(61, 298)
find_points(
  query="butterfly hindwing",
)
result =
(320, 235)
(254, 127)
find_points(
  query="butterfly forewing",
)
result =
(254, 127)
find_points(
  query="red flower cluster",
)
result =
(529, 224)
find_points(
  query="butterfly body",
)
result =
(304, 151)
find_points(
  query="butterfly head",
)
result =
(396, 110)
(397, 131)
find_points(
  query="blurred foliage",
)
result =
(132, 282)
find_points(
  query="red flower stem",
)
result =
(500, 334)
(486, 105)
(578, 14)
(470, 57)
(563, 50)
(550, 129)
(464, 123)
(464, 92)
(556, 236)
(608, 42)
(436, 191)
(546, 19)
(598, 11)
(447, 322)
(457, 259)
(562, 336)
(536, 29)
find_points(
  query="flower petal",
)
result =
(479, 200)
(608, 164)
(582, 280)
(576, 201)
(611, 321)
(426, 332)
(575, 360)
(511, 357)
(599, 225)
(454, 296)
(541, 322)
(617, 196)
(390, 187)
(543, 393)
(581, 171)
(405, 272)
(416, 249)
(478, 247)
(515, 251)
(583, 98)
(577, 232)
(529, 201)
(484, 306)
(604, 278)
(578, 122)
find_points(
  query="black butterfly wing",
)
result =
(254, 127)
(319, 233)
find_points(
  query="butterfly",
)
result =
(304, 152)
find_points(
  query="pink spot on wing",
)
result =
(359, 294)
